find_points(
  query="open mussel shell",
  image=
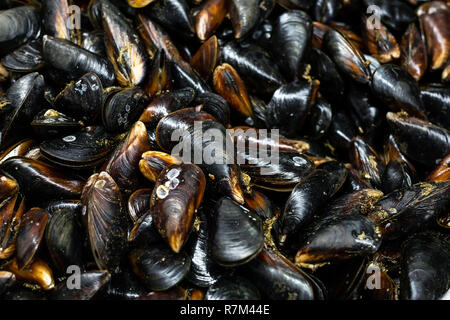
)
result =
(139, 203)
(30, 234)
(41, 182)
(88, 286)
(173, 15)
(83, 149)
(209, 17)
(346, 57)
(106, 219)
(38, 272)
(77, 61)
(291, 36)
(159, 267)
(291, 168)
(177, 194)
(290, 105)
(123, 164)
(204, 271)
(338, 238)
(237, 235)
(122, 108)
(11, 211)
(255, 65)
(419, 140)
(81, 99)
(279, 279)
(435, 21)
(398, 90)
(124, 47)
(50, 123)
(7, 280)
(235, 288)
(410, 209)
(25, 99)
(27, 58)
(425, 264)
(64, 235)
(17, 26)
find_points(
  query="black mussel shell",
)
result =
(398, 90)
(326, 10)
(204, 271)
(139, 203)
(425, 264)
(279, 279)
(64, 236)
(184, 75)
(94, 41)
(17, 26)
(244, 15)
(41, 182)
(321, 115)
(82, 99)
(87, 286)
(144, 231)
(25, 99)
(11, 211)
(290, 105)
(419, 140)
(235, 288)
(85, 148)
(56, 16)
(414, 55)
(123, 108)
(51, 123)
(397, 175)
(436, 101)
(342, 130)
(30, 234)
(107, 221)
(410, 209)
(237, 234)
(356, 202)
(291, 36)
(159, 267)
(173, 15)
(215, 105)
(338, 238)
(77, 61)
(27, 58)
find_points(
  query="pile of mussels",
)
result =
(94, 204)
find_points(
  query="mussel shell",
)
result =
(346, 57)
(326, 10)
(26, 98)
(215, 105)
(397, 89)
(159, 267)
(41, 182)
(290, 105)
(419, 140)
(279, 279)
(177, 194)
(77, 61)
(291, 36)
(255, 65)
(94, 41)
(124, 47)
(50, 123)
(82, 99)
(209, 17)
(396, 176)
(425, 264)
(30, 234)
(38, 272)
(321, 115)
(17, 26)
(107, 221)
(85, 148)
(139, 203)
(342, 130)
(56, 14)
(410, 209)
(235, 288)
(64, 236)
(414, 58)
(11, 212)
(91, 284)
(184, 75)
(173, 15)
(395, 14)
(237, 235)
(153, 162)
(204, 271)
(8, 186)
(144, 231)
(244, 15)
(27, 58)
(339, 238)
(23, 148)
(206, 57)
(436, 101)
(7, 280)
